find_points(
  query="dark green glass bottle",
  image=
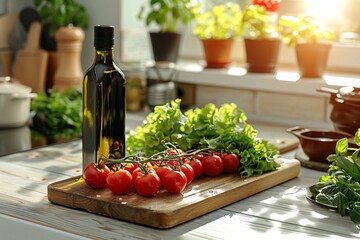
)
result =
(103, 134)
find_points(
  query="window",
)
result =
(340, 14)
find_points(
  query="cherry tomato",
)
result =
(160, 172)
(148, 166)
(189, 172)
(212, 165)
(173, 151)
(175, 161)
(199, 156)
(147, 184)
(231, 162)
(174, 181)
(217, 154)
(119, 182)
(130, 167)
(138, 169)
(197, 167)
(135, 172)
(95, 176)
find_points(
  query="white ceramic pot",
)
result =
(15, 102)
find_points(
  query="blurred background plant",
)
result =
(257, 24)
(57, 115)
(303, 29)
(169, 15)
(221, 22)
(58, 13)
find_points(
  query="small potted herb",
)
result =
(312, 42)
(217, 29)
(168, 16)
(57, 115)
(56, 14)
(261, 36)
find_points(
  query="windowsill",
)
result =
(275, 98)
(193, 72)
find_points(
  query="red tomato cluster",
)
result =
(173, 175)
(270, 5)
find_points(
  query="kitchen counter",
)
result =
(282, 212)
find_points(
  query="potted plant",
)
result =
(57, 115)
(217, 29)
(312, 42)
(169, 16)
(261, 39)
(56, 14)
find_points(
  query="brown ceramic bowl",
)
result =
(318, 144)
(345, 113)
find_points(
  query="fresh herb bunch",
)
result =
(340, 188)
(209, 127)
(57, 114)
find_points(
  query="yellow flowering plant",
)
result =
(257, 23)
(221, 22)
(303, 29)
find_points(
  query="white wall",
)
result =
(104, 12)
(14, 5)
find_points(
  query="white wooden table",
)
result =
(282, 212)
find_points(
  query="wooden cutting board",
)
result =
(31, 63)
(168, 210)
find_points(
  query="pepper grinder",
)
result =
(69, 73)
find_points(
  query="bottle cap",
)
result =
(103, 36)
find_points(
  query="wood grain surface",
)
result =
(167, 210)
(280, 212)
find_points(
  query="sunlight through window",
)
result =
(287, 76)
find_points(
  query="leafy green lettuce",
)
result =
(222, 128)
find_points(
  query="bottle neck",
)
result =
(104, 55)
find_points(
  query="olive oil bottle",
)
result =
(103, 134)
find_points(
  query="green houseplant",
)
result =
(58, 13)
(260, 36)
(168, 16)
(312, 42)
(217, 29)
(57, 115)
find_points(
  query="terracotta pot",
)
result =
(218, 52)
(312, 59)
(262, 54)
(165, 46)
